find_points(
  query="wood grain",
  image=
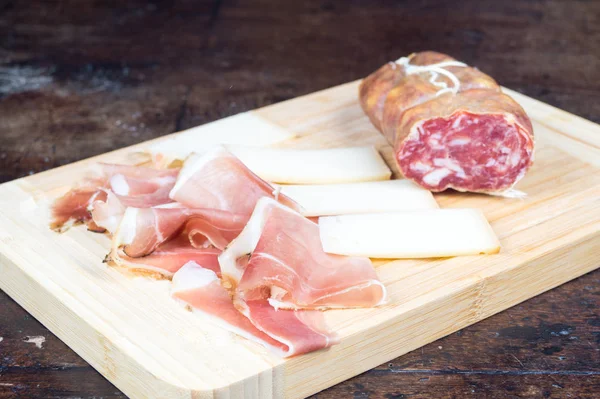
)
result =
(109, 75)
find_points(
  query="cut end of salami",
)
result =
(466, 152)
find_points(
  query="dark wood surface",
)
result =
(79, 78)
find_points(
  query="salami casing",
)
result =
(374, 89)
(450, 124)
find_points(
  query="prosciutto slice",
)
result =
(288, 267)
(107, 212)
(130, 192)
(73, 207)
(170, 257)
(219, 180)
(129, 185)
(286, 333)
(301, 331)
(143, 230)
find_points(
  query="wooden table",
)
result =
(81, 78)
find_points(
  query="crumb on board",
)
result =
(38, 340)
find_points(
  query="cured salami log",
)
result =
(450, 124)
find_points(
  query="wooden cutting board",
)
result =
(148, 346)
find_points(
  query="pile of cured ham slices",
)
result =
(251, 254)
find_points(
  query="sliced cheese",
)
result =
(322, 166)
(418, 234)
(366, 197)
(246, 129)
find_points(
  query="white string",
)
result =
(435, 70)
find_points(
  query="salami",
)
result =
(450, 124)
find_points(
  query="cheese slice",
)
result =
(319, 166)
(366, 197)
(246, 129)
(428, 233)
